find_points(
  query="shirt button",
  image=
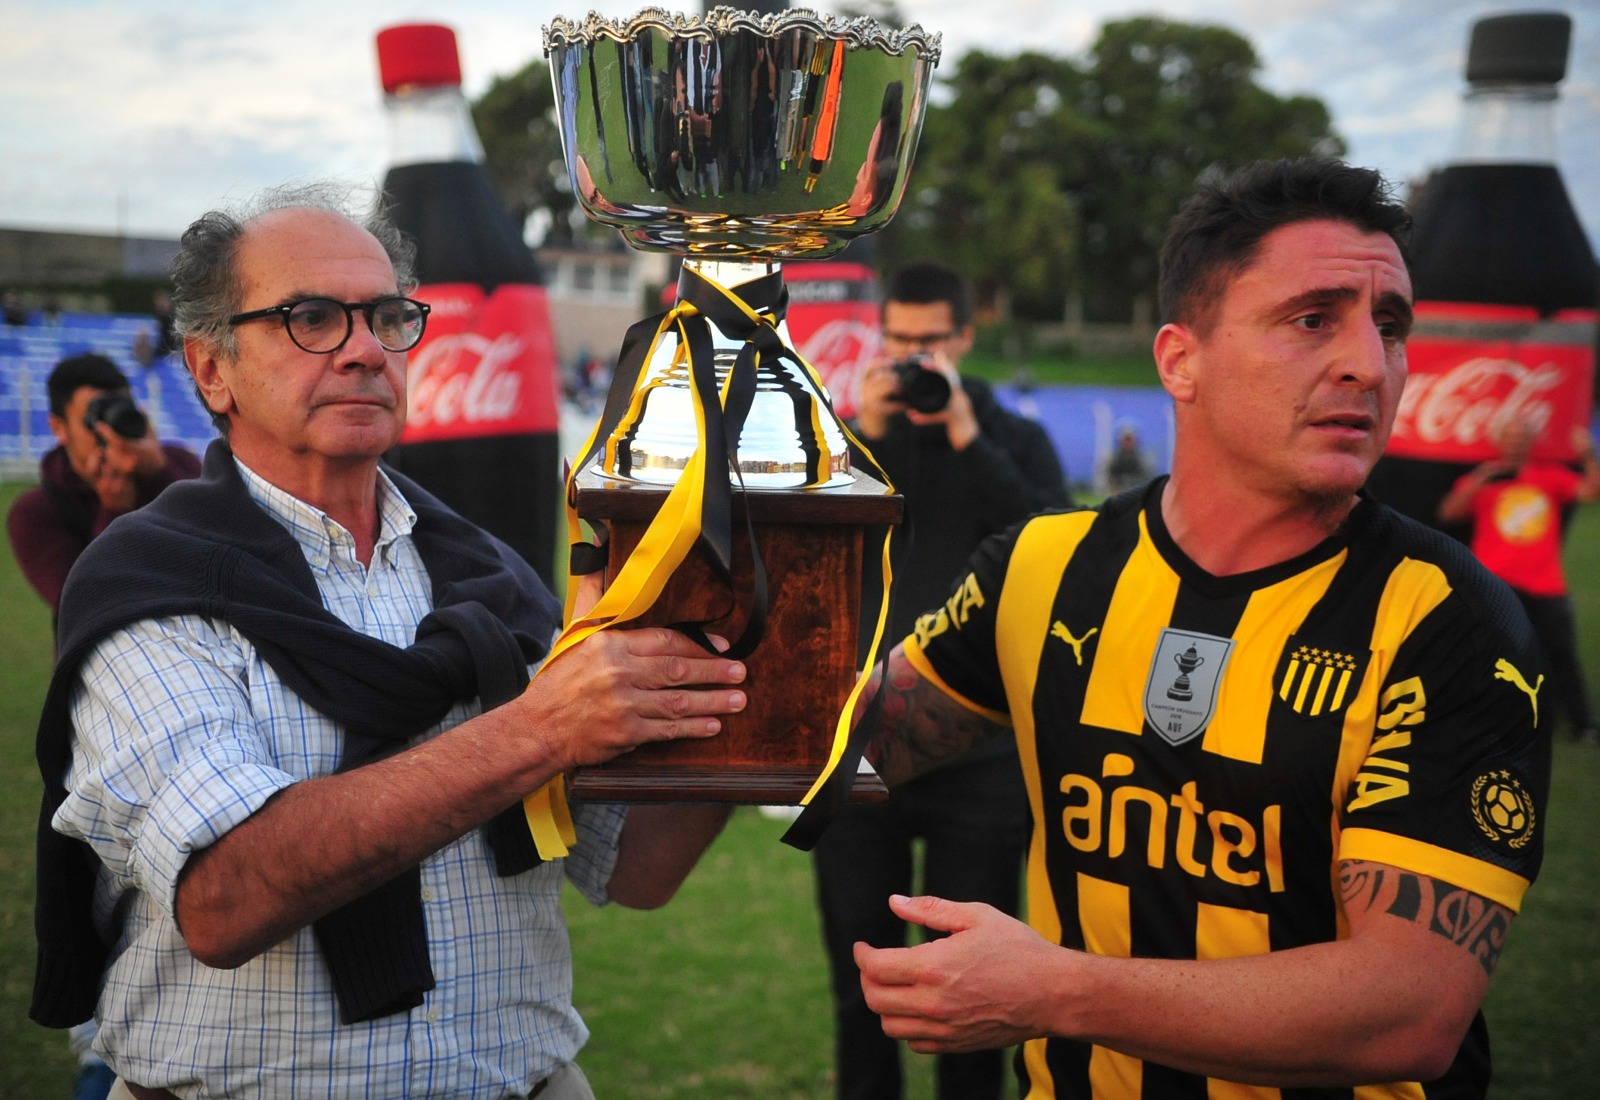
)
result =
(427, 893)
(433, 1015)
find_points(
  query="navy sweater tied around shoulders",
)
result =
(205, 548)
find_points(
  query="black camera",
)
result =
(117, 411)
(922, 385)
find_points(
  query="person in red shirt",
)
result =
(1515, 502)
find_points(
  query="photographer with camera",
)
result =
(968, 469)
(108, 462)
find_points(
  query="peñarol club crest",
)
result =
(1180, 695)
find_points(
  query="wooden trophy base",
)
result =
(799, 676)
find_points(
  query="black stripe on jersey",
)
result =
(1207, 615)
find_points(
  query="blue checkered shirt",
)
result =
(182, 731)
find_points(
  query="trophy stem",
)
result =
(732, 272)
(788, 436)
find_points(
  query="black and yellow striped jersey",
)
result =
(1202, 751)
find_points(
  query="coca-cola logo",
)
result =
(464, 378)
(1466, 404)
(827, 290)
(840, 351)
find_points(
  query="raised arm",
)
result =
(1456, 506)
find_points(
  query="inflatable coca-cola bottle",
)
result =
(1505, 279)
(482, 428)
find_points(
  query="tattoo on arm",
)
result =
(1466, 919)
(919, 726)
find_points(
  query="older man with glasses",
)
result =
(288, 741)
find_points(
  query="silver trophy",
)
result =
(736, 140)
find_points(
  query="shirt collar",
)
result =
(319, 536)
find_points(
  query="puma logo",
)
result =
(1505, 670)
(1059, 629)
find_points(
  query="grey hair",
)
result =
(207, 288)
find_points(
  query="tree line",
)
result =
(1043, 177)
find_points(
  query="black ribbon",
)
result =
(767, 298)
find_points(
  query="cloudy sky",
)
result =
(136, 115)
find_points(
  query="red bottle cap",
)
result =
(418, 54)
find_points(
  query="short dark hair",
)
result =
(1218, 231)
(206, 289)
(77, 371)
(929, 281)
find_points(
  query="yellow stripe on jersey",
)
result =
(1103, 912)
(1400, 1090)
(1239, 730)
(1413, 590)
(1494, 883)
(1141, 607)
(919, 661)
(1041, 1085)
(1112, 1073)
(1022, 620)
(1223, 932)
(1027, 600)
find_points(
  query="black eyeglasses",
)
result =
(321, 325)
(926, 342)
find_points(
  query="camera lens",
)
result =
(118, 412)
(922, 387)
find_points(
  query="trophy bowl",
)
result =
(739, 135)
(737, 141)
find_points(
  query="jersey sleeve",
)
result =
(1456, 780)
(953, 645)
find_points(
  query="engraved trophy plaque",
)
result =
(718, 472)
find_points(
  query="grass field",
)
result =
(723, 994)
(1041, 371)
